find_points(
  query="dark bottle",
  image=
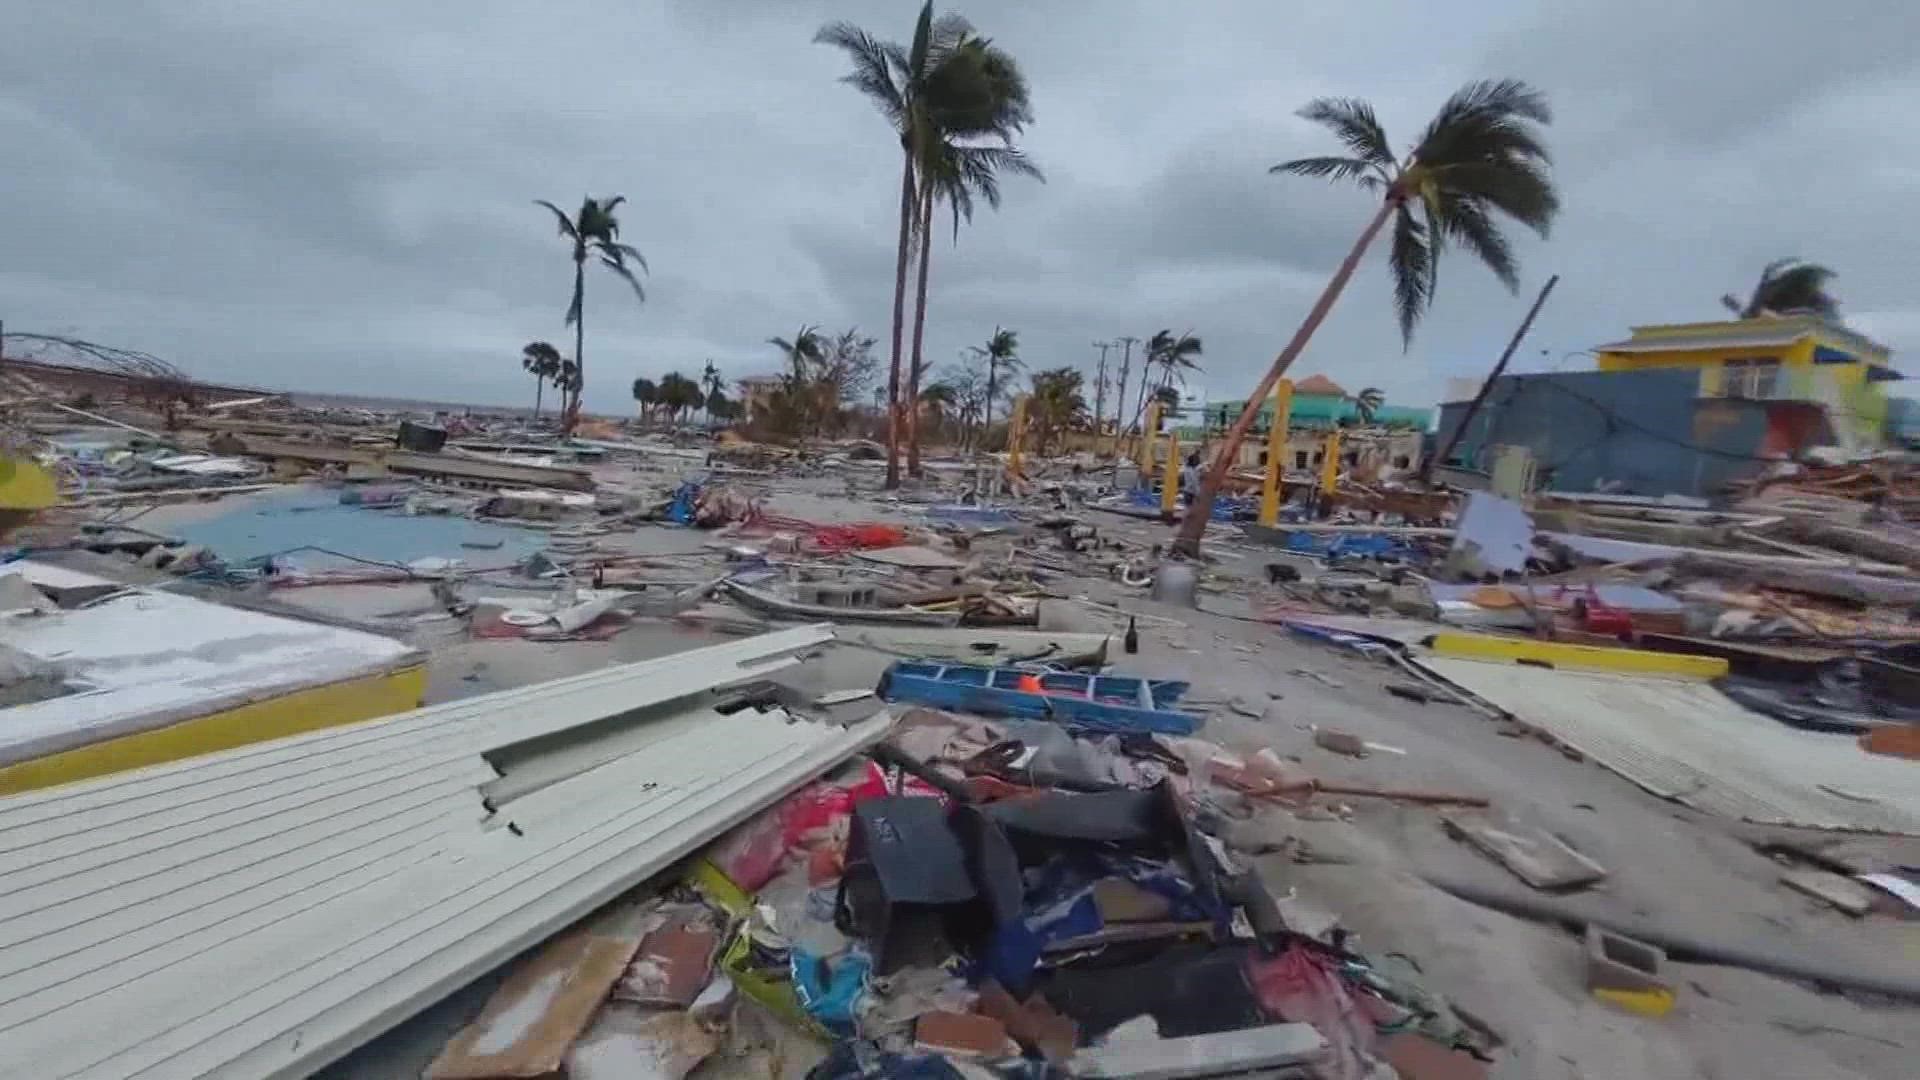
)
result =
(1132, 641)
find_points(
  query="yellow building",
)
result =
(1788, 358)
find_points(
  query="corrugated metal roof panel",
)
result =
(1686, 741)
(261, 912)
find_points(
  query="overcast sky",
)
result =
(337, 196)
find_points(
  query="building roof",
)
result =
(1739, 334)
(761, 380)
(143, 659)
(1319, 385)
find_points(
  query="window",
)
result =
(1299, 459)
(1757, 379)
(1402, 461)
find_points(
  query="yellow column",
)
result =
(1143, 450)
(1276, 452)
(1330, 465)
(1170, 478)
(1016, 430)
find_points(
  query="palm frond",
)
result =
(1465, 220)
(625, 274)
(1412, 264)
(922, 42)
(579, 299)
(877, 67)
(1354, 122)
(1365, 173)
(628, 252)
(1488, 121)
(566, 223)
(1519, 189)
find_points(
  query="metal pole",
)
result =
(1100, 386)
(1276, 453)
(1500, 366)
(1120, 409)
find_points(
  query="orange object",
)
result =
(1901, 740)
(1028, 684)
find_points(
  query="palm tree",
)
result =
(542, 361)
(593, 232)
(678, 394)
(1002, 353)
(938, 401)
(1175, 357)
(957, 174)
(945, 84)
(1056, 405)
(1367, 403)
(1481, 154)
(647, 393)
(710, 381)
(567, 382)
(805, 352)
(1788, 286)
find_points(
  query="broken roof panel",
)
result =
(262, 912)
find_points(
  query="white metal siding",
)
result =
(261, 912)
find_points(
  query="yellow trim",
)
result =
(1559, 654)
(1170, 480)
(1644, 1002)
(24, 485)
(1276, 453)
(346, 702)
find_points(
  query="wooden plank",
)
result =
(1559, 656)
(1535, 856)
(531, 1022)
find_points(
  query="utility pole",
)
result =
(1100, 385)
(1120, 409)
(1425, 478)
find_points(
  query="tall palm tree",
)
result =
(1002, 353)
(1482, 153)
(542, 361)
(806, 354)
(593, 232)
(960, 167)
(1788, 286)
(937, 85)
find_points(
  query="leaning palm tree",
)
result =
(1482, 154)
(542, 361)
(593, 232)
(922, 97)
(1366, 403)
(1787, 286)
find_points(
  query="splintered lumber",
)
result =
(1889, 543)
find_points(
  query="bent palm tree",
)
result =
(710, 382)
(1482, 154)
(1788, 286)
(593, 232)
(806, 353)
(1367, 403)
(542, 361)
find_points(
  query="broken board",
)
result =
(529, 1024)
(1535, 856)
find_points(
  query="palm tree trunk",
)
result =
(916, 364)
(986, 425)
(1194, 522)
(570, 416)
(899, 319)
(539, 388)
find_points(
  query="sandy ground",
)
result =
(1522, 981)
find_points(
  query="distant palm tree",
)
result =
(805, 351)
(1787, 287)
(945, 85)
(1482, 154)
(1367, 403)
(679, 394)
(1174, 356)
(542, 361)
(938, 400)
(1057, 405)
(647, 393)
(592, 231)
(1002, 353)
(710, 381)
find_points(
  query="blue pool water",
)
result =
(314, 517)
